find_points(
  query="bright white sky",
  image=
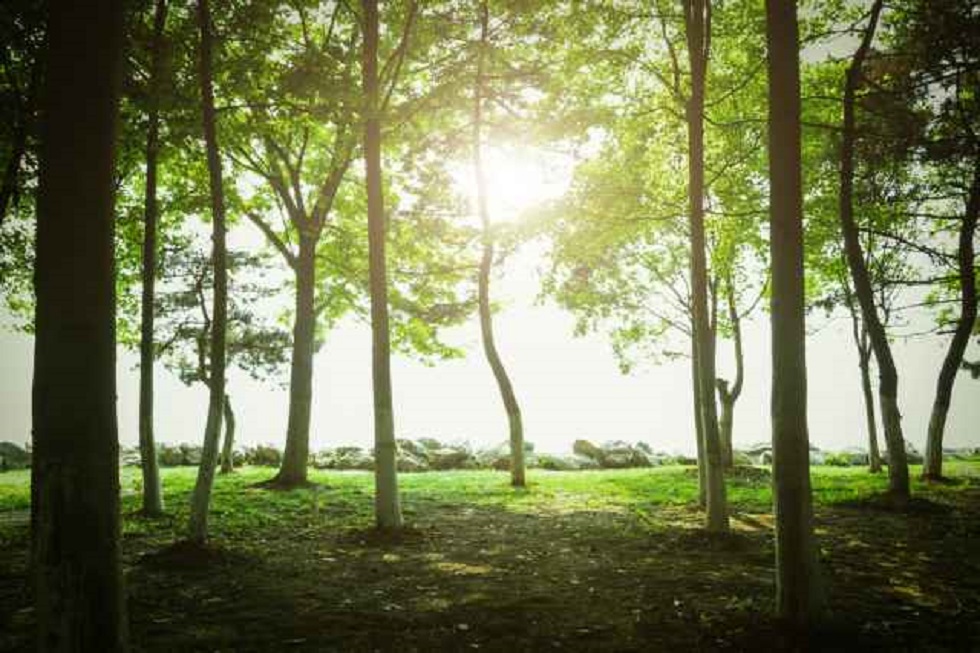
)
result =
(568, 387)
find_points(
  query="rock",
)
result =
(353, 458)
(429, 444)
(587, 449)
(263, 455)
(410, 462)
(169, 455)
(130, 457)
(13, 456)
(191, 454)
(450, 458)
(411, 447)
(558, 463)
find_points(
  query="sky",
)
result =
(568, 387)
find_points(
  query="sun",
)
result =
(518, 179)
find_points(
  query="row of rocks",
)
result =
(427, 454)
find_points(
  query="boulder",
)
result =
(558, 463)
(450, 458)
(587, 449)
(429, 444)
(13, 456)
(410, 447)
(353, 458)
(191, 454)
(130, 457)
(410, 462)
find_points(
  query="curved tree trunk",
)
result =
(961, 337)
(898, 470)
(387, 506)
(697, 14)
(152, 492)
(295, 460)
(517, 465)
(201, 498)
(798, 597)
(75, 554)
(227, 453)
(729, 396)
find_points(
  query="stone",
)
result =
(587, 449)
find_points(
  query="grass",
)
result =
(595, 560)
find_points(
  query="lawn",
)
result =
(589, 560)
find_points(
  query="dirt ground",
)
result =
(485, 578)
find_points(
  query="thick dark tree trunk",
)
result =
(898, 470)
(387, 507)
(11, 173)
(933, 468)
(295, 461)
(697, 14)
(201, 499)
(513, 409)
(227, 453)
(799, 600)
(152, 492)
(78, 588)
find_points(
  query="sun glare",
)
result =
(518, 179)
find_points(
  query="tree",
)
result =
(387, 507)
(79, 595)
(254, 343)
(697, 19)
(513, 409)
(798, 599)
(201, 498)
(898, 473)
(152, 492)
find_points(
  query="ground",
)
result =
(597, 560)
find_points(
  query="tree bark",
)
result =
(729, 396)
(75, 528)
(698, 427)
(295, 461)
(898, 471)
(506, 388)
(387, 508)
(933, 468)
(863, 344)
(697, 15)
(227, 453)
(201, 498)
(799, 600)
(152, 492)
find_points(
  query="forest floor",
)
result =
(597, 560)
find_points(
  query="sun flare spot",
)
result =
(518, 179)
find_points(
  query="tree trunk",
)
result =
(874, 456)
(863, 345)
(961, 336)
(387, 508)
(798, 595)
(898, 471)
(152, 492)
(517, 465)
(227, 454)
(729, 396)
(698, 36)
(201, 498)
(698, 428)
(78, 586)
(295, 460)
